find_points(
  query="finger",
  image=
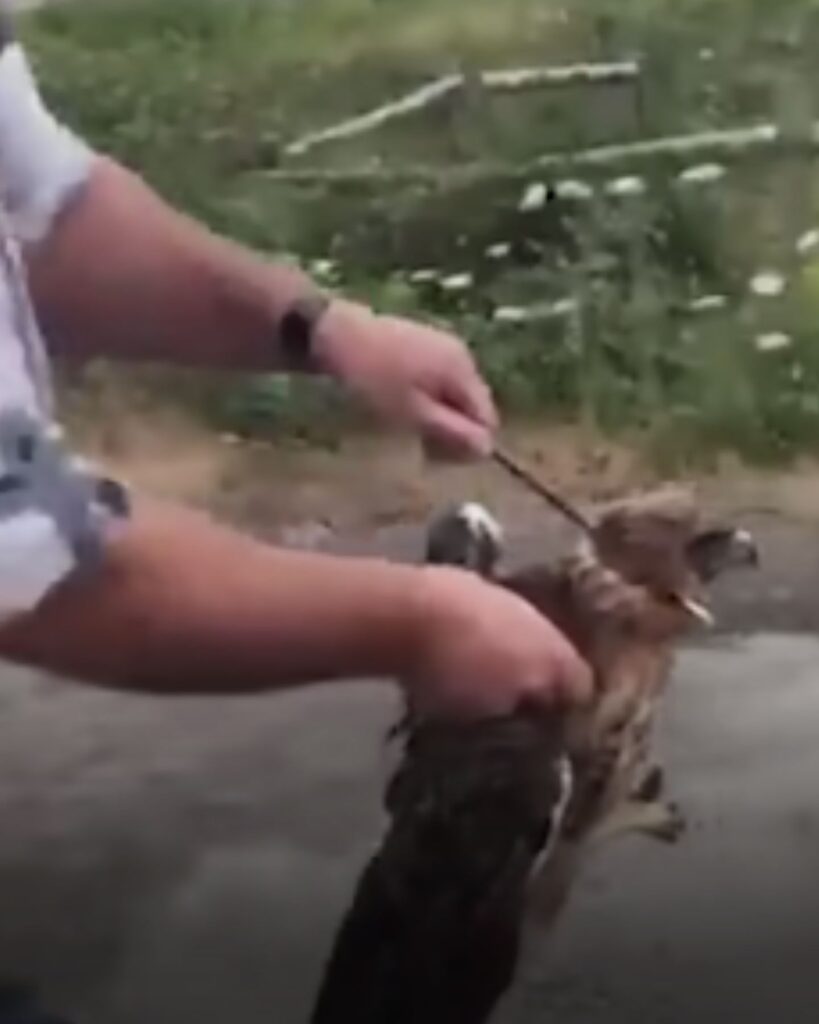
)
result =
(448, 431)
(466, 391)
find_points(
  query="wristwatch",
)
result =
(297, 330)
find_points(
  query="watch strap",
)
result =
(297, 330)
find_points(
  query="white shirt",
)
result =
(54, 509)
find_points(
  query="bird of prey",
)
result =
(490, 818)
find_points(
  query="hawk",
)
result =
(490, 818)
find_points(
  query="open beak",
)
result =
(698, 612)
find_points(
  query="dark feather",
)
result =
(19, 1004)
(434, 930)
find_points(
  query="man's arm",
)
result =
(117, 272)
(121, 274)
(181, 605)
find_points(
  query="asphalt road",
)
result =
(182, 862)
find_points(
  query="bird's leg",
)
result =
(656, 819)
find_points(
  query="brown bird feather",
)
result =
(490, 819)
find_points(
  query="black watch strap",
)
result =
(297, 329)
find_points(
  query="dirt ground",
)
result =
(185, 862)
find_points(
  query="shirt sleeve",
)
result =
(55, 510)
(42, 163)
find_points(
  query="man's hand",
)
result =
(411, 374)
(484, 650)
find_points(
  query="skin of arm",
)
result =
(182, 605)
(122, 274)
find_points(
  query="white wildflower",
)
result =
(323, 268)
(773, 341)
(708, 303)
(510, 315)
(564, 307)
(706, 54)
(627, 186)
(499, 251)
(457, 282)
(702, 174)
(534, 198)
(808, 242)
(768, 284)
(573, 190)
(423, 276)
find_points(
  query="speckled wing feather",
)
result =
(433, 934)
(478, 813)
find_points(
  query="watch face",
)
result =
(297, 330)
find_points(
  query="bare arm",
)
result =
(182, 605)
(121, 274)
(175, 603)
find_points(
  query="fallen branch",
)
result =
(724, 142)
(515, 80)
(728, 143)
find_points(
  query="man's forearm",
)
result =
(181, 605)
(120, 274)
(123, 275)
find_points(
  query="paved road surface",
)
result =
(185, 863)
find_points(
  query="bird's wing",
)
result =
(433, 933)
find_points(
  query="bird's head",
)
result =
(468, 536)
(660, 542)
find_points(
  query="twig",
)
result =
(511, 466)
(726, 143)
(513, 80)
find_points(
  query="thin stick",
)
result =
(564, 507)
(511, 80)
(727, 144)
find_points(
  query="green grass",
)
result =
(202, 95)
